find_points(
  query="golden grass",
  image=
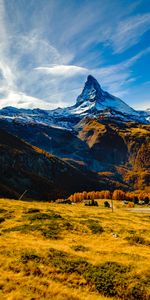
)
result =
(140, 131)
(37, 279)
(91, 131)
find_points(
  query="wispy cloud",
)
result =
(129, 32)
(117, 78)
(110, 23)
(47, 48)
(7, 76)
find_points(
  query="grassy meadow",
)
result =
(72, 252)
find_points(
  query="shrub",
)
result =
(135, 239)
(2, 210)
(25, 228)
(95, 227)
(52, 231)
(91, 203)
(136, 291)
(107, 277)
(146, 200)
(29, 255)
(65, 263)
(80, 248)
(135, 200)
(63, 201)
(2, 219)
(43, 216)
(106, 204)
(32, 210)
(68, 226)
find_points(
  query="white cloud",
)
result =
(8, 77)
(21, 100)
(3, 31)
(63, 70)
(7, 74)
(144, 105)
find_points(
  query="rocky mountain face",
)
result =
(100, 140)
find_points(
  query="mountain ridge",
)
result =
(107, 148)
(92, 101)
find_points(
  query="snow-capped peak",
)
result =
(94, 97)
(92, 91)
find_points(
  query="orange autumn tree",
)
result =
(107, 195)
(118, 195)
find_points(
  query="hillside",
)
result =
(44, 176)
(122, 148)
(73, 252)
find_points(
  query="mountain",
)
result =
(102, 142)
(44, 176)
(118, 149)
(93, 99)
(91, 102)
(146, 114)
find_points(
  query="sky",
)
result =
(49, 47)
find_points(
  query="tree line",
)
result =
(114, 195)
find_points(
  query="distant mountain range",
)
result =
(101, 142)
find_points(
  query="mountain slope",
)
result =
(120, 148)
(58, 141)
(24, 167)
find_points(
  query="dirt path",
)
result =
(140, 210)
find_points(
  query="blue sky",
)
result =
(48, 47)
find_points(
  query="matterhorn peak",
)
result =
(92, 90)
(94, 99)
(92, 81)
